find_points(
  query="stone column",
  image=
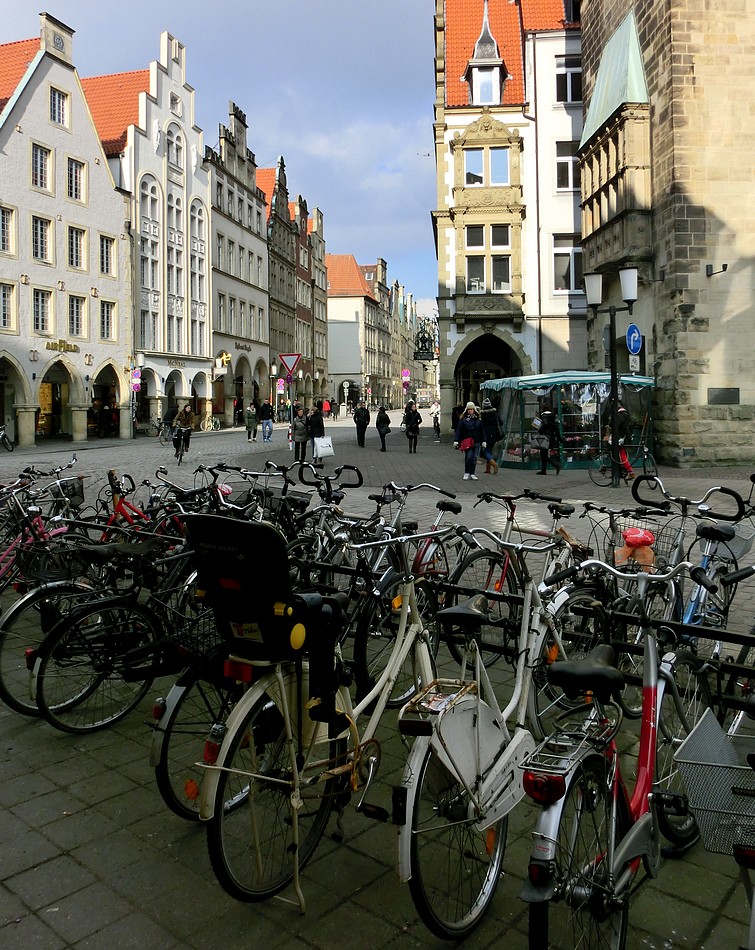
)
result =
(25, 424)
(79, 423)
(447, 403)
(125, 425)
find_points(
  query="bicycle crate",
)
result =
(609, 541)
(742, 541)
(720, 785)
(70, 488)
(199, 634)
(38, 561)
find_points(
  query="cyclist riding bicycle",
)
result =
(623, 430)
(184, 422)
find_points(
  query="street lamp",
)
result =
(273, 375)
(594, 294)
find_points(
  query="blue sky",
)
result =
(343, 89)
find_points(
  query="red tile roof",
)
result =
(14, 61)
(266, 183)
(345, 279)
(114, 104)
(463, 25)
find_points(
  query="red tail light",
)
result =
(744, 856)
(544, 789)
(159, 708)
(213, 743)
(30, 655)
(539, 873)
(236, 670)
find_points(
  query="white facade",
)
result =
(64, 256)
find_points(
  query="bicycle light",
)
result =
(544, 789)
(158, 710)
(213, 743)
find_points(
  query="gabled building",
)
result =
(65, 260)
(155, 152)
(315, 227)
(304, 338)
(508, 120)
(240, 327)
(352, 329)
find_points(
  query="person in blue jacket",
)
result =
(470, 427)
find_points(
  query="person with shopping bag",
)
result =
(316, 425)
(469, 437)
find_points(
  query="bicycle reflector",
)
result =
(543, 788)
(159, 708)
(213, 743)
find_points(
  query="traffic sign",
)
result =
(289, 360)
(289, 378)
(634, 363)
(405, 374)
(634, 339)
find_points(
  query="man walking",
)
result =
(266, 418)
(362, 420)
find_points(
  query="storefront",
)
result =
(580, 401)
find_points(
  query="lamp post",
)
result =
(273, 377)
(594, 294)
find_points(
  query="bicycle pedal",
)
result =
(376, 812)
(673, 803)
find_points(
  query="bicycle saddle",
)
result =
(595, 673)
(715, 531)
(470, 614)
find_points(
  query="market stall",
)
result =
(580, 401)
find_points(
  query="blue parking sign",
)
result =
(634, 339)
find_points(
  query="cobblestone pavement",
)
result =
(91, 858)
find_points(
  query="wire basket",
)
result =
(742, 541)
(199, 634)
(41, 562)
(70, 488)
(607, 538)
(720, 785)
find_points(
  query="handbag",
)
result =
(323, 447)
(466, 444)
(540, 440)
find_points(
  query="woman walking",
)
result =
(383, 426)
(469, 436)
(549, 428)
(492, 430)
(412, 421)
(300, 434)
(316, 425)
(251, 419)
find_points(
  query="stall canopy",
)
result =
(580, 401)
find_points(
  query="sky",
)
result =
(342, 89)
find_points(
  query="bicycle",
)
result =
(181, 436)
(603, 459)
(210, 424)
(5, 439)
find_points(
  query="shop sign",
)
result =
(62, 346)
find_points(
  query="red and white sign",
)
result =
(289, 360)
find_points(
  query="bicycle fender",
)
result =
(156, 746)
(411, 787)
(503, 787)
(543, 852)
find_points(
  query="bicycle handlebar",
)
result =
(596, 564)
(488, 496)
(686, 503)
(642, 511)
(405, 489)
(736, 576)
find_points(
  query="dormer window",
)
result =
(485, 86)
(485, 71)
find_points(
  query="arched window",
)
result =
(196, 223)
(175, 146)
(197, 280)
(149, 200)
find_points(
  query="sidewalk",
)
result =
(91, 858)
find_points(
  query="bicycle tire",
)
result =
(694, 696)
(737, 686)
(454, 867)
(7, 444)
(202, 701)
(86, 680)
(24, 626)
(649, 467)
(600, 469)
(165, 435)
(375, 637)
(580, 912)
(482, 571)
(250, 837)
(579, 630)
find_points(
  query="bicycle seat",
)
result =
(449, 506)
(559, 510)
(715, 531)
(595, 673)
(469, 615)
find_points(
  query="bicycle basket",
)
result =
(742, 541)
(199, 634)
(70, 488)
(38, 561)
(720, 785)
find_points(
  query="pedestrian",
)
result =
(383, 426)
(549, 428)
(623, 427)
(251, 419)
(334, 409)
(468, 437)
(456, 413)
(300, 434)
(316, 428)
(266, 418)
(491, 427)
(361, 420)
(411, 422)
(435, 416)
(325, 408)
(186, 420)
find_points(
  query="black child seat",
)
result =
(243, 574)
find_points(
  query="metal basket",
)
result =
(742, 541)
(70, 488)
(39, 561)
(720, 785)
(609, 542)
(199, 634)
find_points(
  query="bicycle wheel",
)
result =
(23, 628)
(165, 435)
(375, 638)
(250, 839)
(582, 912)
(7, 444)
(202, 702)
(479, 572)
(87, 670)
(454, 867)
(581, 624)
(694, 698)
(649, 467)
(600, 469)
(738, 685)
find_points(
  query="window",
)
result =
(475, 236)
(175, 144)
(148, 330)
(231, 256)
(196, 222)
(149, 205)
(242, 257)
(501, 271)
(500, 235)
(484, 86)
(567, 166)
(40, 239)
(76, 248)
(568, 79)
(76, 180)
(220, 323)
(6, 230)
(219, 195)
(231, 200)
(58, 107)
(40, 167)
(242, 319)
(240, 208)
(567, 263)
(476, 275)
(499, 166)
(232, 315)
(473, 166)
(486, 270)
(149, 265)
(41, 305)
(107, 320)
(107, 255)
(219, 248)
(175, 272)
(76, 313)
(259, 222)
(6, 306)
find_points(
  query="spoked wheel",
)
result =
(649, 468)
(455, 868)
(478, 573)
(581, 913)
(251, 836)
(86, 674)
(165, 435)
(7, 444)
(600, 469)
(376, 632)
(201, 703)
(694, 698)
